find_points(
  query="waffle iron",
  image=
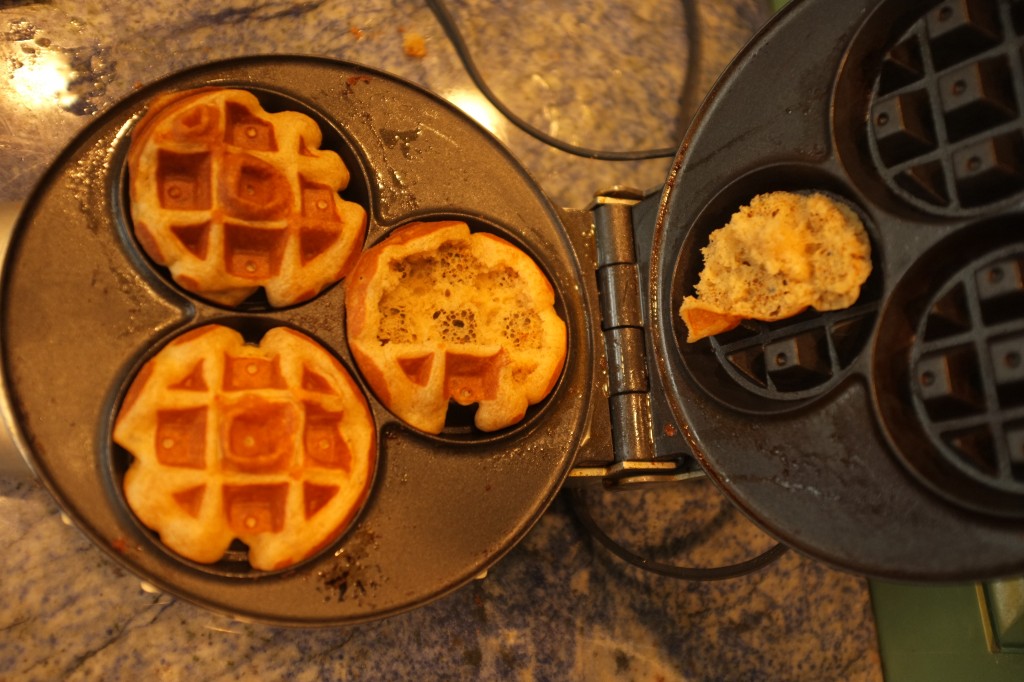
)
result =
(885, 439)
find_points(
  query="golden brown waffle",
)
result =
(437, 314)
(777, 256)
(231, 198)
(271, 444)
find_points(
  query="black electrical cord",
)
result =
(687, 98)
(579, 506)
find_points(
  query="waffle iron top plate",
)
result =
(887, 438)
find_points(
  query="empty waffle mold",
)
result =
(964, 434)
(947, 109)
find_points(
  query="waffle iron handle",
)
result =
(12, 464)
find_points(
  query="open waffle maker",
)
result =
(885, 439)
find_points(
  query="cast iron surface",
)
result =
(887, 438)
(83, 308)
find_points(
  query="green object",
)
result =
(950, 633)
(1003, 610)
(778, 4)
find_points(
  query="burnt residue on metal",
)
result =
(401, 139)
(352, 575)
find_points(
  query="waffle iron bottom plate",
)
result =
(83, 308)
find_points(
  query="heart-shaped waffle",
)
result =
(271, 444)
(436, 313)
(231, 198)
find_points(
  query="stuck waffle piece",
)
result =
(231, 198)
(271, 444)
(778, 256)
(437, 314)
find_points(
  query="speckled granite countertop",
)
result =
(604, 74)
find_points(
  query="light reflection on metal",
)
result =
(476, 106)
(41, 80)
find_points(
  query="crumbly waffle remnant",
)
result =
(776, 257)
(437, 314)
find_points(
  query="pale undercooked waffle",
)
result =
(271, 444)
(231, 198)
(436, 313)
(777, 256)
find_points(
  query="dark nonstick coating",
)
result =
(83, 308)
(841, 433)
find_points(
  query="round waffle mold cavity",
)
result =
(771, 366)
(459, 427)
(968, 371)
(268, 469)
(949, 370)
(262, 243)
(946, 113)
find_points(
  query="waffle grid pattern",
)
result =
(946, 128)
(271, 445)
(968, 371)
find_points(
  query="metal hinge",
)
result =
(648, 446)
